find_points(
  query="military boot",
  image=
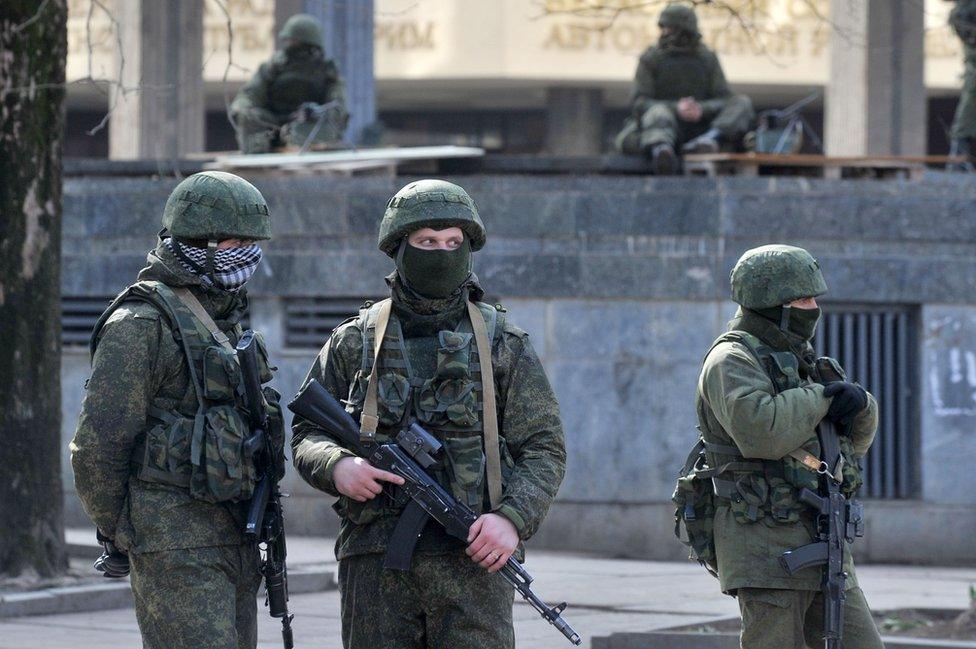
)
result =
(664, 162)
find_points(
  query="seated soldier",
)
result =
(681, 98)
(297, 97)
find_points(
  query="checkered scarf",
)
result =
(232, 266)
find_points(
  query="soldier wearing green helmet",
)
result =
(680, 100)
(760, 397)
(298, 98)
(157, 453)
(495, 414)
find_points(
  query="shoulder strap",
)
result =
(490, 414)
(370, 418)
(193, 304)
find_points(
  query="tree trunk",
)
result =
(33, 48)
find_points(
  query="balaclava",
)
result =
(433, 273)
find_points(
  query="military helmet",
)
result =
(303, 28)
(434, 204)
(774, 275)
(680, 17)
(216, 205)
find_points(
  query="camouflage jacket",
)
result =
(740, 398)
(287, 81)
(528, 417)
(667, 75)
(138, 361)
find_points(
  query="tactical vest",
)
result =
(449, 404)
(201, 449)
(295, 81)
(717, 473)
(682, 73)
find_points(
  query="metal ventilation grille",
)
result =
(78, 318)
(310, 321)
(876, 346)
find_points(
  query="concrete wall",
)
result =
(622, 284)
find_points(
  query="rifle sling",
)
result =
(493, 464)
(369, 420)
(399, 550)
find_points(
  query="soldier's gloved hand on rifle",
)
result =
(491, 541)
(848, 400)
(356, 478)
(113, 563)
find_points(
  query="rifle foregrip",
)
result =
(812, 554)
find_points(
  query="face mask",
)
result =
(233, 267)
(434, 273)
(803, 322)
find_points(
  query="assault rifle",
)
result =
(319, 114)
(265, 524)
(838, 520)
(409, 456)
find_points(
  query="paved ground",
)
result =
(605, 595)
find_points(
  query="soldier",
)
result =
(295, 97)
(758, 402)
(680, 98)
(506, 467)
(157, 455)
(963, 21)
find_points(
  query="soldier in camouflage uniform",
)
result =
(681, 98)
(295, 97)
(759, 400)
(962, 18)
(157, 455)
(506, 462)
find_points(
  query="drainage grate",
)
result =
(876, 345)
(310, 321)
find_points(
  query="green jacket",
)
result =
(137, 363)
(528, 417)
(665, 76)
(742, 407)
(287, 81)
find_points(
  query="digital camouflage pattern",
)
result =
(739, 404)
(962, 18)
(666, 74)
(197, 597)
(216, 205)
(775, 275)
(445, 600)
(430, 203)
(793, 619)
(266, 110)
(138, 367)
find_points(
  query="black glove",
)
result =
(113, 563)
(849, 399)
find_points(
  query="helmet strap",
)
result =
(211, 254)
(784, 318)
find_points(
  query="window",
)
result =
(876, 345)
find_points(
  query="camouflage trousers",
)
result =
(793, 619)
(261, 132)
(197, 597)
(444, 601)
(660, 124)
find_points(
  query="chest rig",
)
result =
(456, 404)
(198, 447)
(755, 488)
(298, 80)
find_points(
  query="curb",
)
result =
(118, 594)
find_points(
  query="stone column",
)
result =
(875, 96)
(574, 121)
(347, 26)
(159, 110)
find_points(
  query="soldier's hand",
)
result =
(847, 401)
(689, 110)
(113, 563)
(356, 478)
(492, 539)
